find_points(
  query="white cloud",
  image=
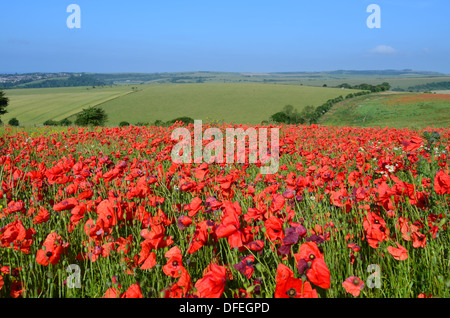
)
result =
(384, 50)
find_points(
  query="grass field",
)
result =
(35, 106)
(413, 110)
(238, 103)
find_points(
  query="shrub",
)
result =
(50, 122)
(158, 123)
(124, 123)
(280, 117)
(65, 122)
(92, 116)
(141, 124)
(13, 122)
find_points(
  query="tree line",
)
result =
(71, 81)
(310, 114)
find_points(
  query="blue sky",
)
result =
(216, 35)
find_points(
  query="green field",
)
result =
(35, 106)
(239, 103)
(413, 110)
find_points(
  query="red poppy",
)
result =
(134, 291)
(290, 287)
(274, 228)
(442, 183)
(419, 239)
(42, 216)
(180, 288)
(353, 285)
(124, 245)
(316, 271)
(51, 250)
(112, 292)
(174, 266)
(376, 230)
(400, 253)
(194, 207)
(16, 289)
(147, 258)
(412, 143)
(212, 284)
(67, 204)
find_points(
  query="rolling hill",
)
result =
(238, 103)
(395, 110)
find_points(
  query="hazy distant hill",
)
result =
(401, 79)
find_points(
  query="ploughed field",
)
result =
(105, 212)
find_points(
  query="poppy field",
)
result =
(105, 212)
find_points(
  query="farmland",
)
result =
(35, 106)
(413, 110)
(229, 102)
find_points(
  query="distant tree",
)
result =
(288, 109)
(280, 117)
(158, 122)
(65, 122)
(92, 116)
(309, 114)
(124, 123)
(50, 122)
(13, 122)
(3, 103)
(141, 124)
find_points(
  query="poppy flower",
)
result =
(106, 212)
(112, 292)
(204, 233)
(274, 228)
(183, 222)
(194, 206)
(180, 288)
(124, 245)
(256, 246)
(51, 251)
(419, 239)
(353, 285)
(212, 284)
(424, 295)
(147, 258)
(400, 253)
(376, 230)
(317, 271)
(16, 289)
(67, 204)
(287, 286)
(134, 291)
(442, 183)
(412, 143)
(245, 266)
(174, 265)
(42, 216)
